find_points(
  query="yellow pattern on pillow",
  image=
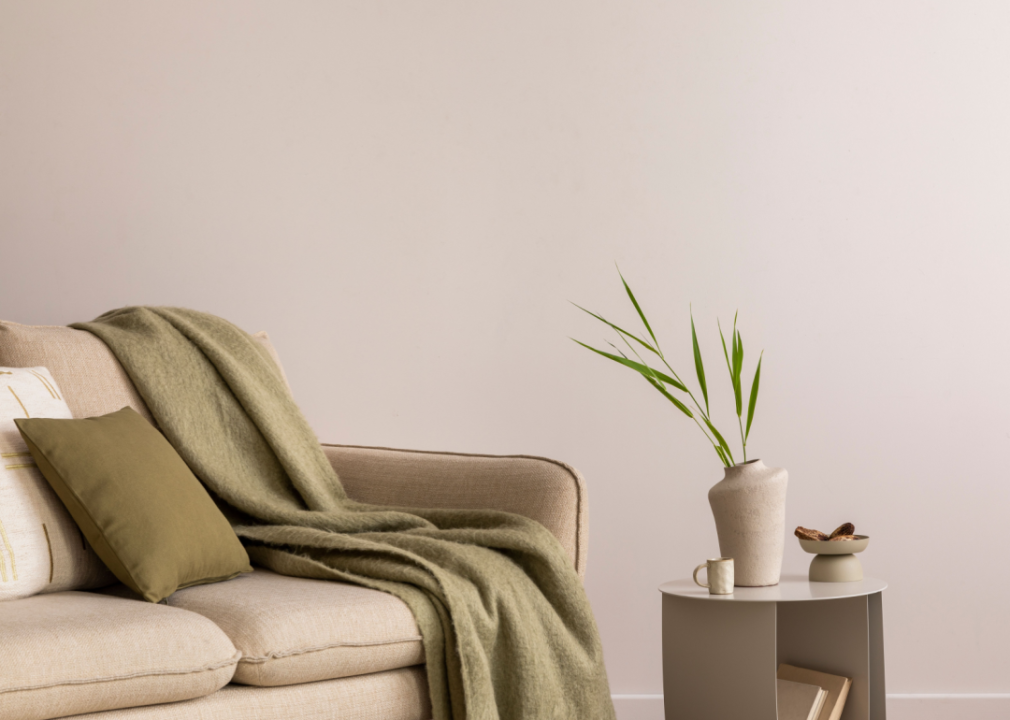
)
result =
(41, 548)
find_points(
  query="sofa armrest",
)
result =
(547, 491)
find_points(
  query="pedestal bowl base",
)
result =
(835, 568)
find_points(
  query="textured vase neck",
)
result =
(739, 472)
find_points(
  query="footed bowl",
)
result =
(835, 561)
(832, 547)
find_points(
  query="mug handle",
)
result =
(703, 565)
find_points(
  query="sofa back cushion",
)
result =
(91, 379)
(41, 548)
(90, 376)
(264, 340)
(90, 382)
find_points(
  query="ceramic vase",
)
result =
(749, 505)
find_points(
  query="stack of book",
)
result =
(810, 695)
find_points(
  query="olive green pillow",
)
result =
(138, 503)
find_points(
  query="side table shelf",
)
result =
(721, 652)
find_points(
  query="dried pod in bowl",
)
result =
(844, 529)
(807, 534)
(836, 538)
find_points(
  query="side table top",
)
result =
(792, 588)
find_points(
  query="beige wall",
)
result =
(406, 195)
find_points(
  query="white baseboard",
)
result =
(950, 706)
(994, 706)
(639, 707)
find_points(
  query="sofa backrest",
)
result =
(91, 378)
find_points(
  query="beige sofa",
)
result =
(261, 645)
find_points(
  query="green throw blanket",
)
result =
(507, 628)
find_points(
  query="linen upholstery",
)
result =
(91, 379)
(41, 549)
(98, 384)
(74, 652)
(507, 627)
(393, 695)
(264, 340)
(296, 630)
(548, 491)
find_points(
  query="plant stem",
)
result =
(715, 445)
(743, 439)
(697, 405)
(673, 372)
(677, 378)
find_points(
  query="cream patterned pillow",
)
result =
(41, 548)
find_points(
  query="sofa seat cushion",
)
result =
(297, 630)
(393, 695)
(74, 652)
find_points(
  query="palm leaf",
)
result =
(634, 302)
(731, 365)
(722, 441)
(637, 367)
(737, 369)
(698, 365)
(618, 329)
(753, 396)
(653, 376)
(724, 353)
(680, 406)
(646, 369)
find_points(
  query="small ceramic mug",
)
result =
(720, 576)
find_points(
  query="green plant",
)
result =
(667, 385)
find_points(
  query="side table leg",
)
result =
(719, 659)
(878, 694)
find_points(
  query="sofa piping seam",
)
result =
(233, 660)
(281, 654)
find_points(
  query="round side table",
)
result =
(721, 652)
